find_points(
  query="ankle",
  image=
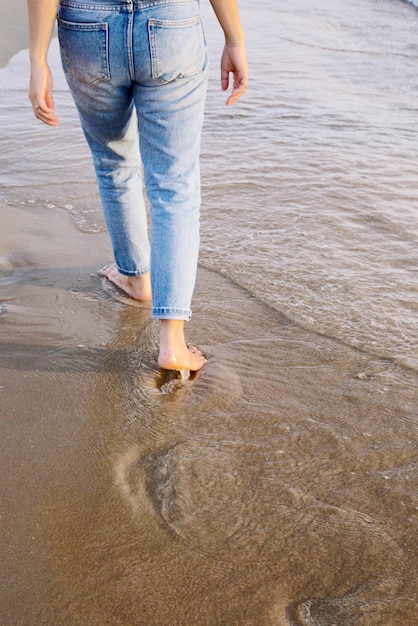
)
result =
(172, 335)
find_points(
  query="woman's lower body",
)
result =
(137, 70)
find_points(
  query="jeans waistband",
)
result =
(120, 5)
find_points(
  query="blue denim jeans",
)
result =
(137, 70)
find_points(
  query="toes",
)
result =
(196, 353)
(194, 350)
(109, 270)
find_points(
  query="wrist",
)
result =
(234, 39)
(37, 60)
(234, 43)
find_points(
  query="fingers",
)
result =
(44, 113)
(238, 90)
(40, 94)
(224, 78)
(234, 64)
(239, 87)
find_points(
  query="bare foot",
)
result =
(136, 287)
(174, 352)
(190, 359)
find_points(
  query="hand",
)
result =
(234, 61)
(40, 94)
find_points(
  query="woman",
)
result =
(147, 55)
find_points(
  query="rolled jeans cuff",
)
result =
(169, 313)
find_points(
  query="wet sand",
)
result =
(277, 488)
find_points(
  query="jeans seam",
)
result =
(129, 47)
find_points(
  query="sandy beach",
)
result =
(276, 488)
(125, 505)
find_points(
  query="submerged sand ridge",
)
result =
(276, 488)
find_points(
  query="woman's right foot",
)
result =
(187, 358)
(174, 352)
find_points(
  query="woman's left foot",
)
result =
(136, 287)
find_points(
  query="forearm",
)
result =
(42, 15)
(228, 17)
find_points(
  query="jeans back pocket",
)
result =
(177, 48)
(84, 50)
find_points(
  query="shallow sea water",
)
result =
(279, 487)
(309, 195)
(318, 184)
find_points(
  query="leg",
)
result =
(93, 47)
(170, 104)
